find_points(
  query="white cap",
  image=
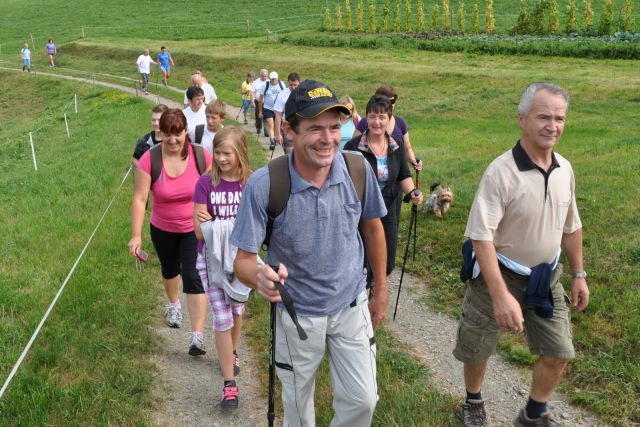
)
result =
(273, 75)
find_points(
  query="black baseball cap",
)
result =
(310, 99)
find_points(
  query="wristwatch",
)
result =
(579, 274)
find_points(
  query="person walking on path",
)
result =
(52, 50)
(150, 139)
(293, 80)
(257, 89)
(272, 88)
(386, 156)
(144, 62)
(195, 111)
(198, 80)
(315, 241)
(523, 213)
(245, 91)
(171, 222)
(215, 114)
(216, 200)
(25, 55)
(348, 122)
(166, 62)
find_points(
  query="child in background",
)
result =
(217, 197)
(25, 55)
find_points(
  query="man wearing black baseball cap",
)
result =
(315, 242)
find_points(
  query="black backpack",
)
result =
(199, 132)
(156, 160)
(280, 185)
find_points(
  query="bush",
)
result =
(407, 15)
(626, 17)
(572, 17)
(537, 19)
(360, 16)
(372, 16)
(446, 15)
(522, 25)
(588, 16)
(347, 15)
(435, 16)
(474, 17)
(606, 19)
(420, 16)
(491, 21)
(396, 16)
(384, 27)
(338, 17)
(554, 21)
(327, 19)
(461, 17)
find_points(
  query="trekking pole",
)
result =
(288, 305)
(415, 217)
(238, 115)
(414, 212)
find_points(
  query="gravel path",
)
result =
(189, 389)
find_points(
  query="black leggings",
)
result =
(177, 253)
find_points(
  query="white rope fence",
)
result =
(64, 284)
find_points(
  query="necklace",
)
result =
(379, 153)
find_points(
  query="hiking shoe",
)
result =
(229, 398)
(544, 421)
(196, 348)
(246, 122)
(173, 316)
(473, 414)
(236, 364)
(272, 144)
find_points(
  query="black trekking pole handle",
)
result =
(288, 305)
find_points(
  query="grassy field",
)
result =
(461, 110)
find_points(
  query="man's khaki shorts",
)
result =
(478, 332)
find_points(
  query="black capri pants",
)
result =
(177, 253)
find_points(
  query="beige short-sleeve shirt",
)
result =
(524, 210)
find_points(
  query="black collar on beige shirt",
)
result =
(524, 163)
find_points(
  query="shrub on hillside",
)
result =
(446, 15)
(327, 19)
(338, 17)
(372, 16)
(384, 27)
(360, 16)
(587, 17)
(420, 15)
(572, 17)
(491, 21)
(347, 15)
(461, 17)
(474, 17)
(537, 18)
(606, 19)
(407, 15)
(522, 25)
(626, 17)
(554, 21)
(396, 16)
(435, 16)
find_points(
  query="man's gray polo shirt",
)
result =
(316, 236)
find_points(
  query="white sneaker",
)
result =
(196, 348)
(173, 316)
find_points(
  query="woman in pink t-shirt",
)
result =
(171, 222)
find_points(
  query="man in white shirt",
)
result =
(256, 89)
(293, 80)
(195, 111)
(144, 68)
(207, 89)
(267, 100)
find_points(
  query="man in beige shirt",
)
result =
(523, 213)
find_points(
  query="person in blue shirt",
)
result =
(166, 62)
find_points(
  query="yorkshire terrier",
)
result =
(439, 200)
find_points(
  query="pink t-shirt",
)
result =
(172, 206)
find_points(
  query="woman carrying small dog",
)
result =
(386, 155)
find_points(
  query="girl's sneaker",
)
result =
(236, 364)
(196, 347)
(229, 396)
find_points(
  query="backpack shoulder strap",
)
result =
(201, 161)
(279, 190)
(156, 162)
(281, 84)
(357, 172)
(199, 133)
(266, 88)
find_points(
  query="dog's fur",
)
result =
(440, 200)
